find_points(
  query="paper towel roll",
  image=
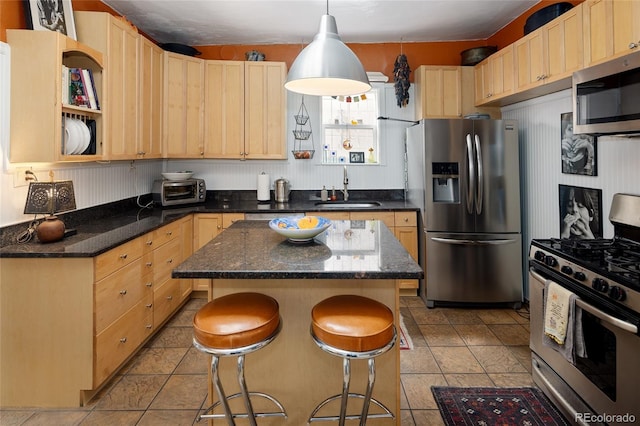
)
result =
(264, 187)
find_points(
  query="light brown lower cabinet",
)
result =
(68, 324)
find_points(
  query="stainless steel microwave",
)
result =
(606, 97)
(173, 192)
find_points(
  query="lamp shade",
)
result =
(50, 197)
(327, 67)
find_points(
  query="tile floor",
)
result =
(166, 383)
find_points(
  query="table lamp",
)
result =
(50, 198)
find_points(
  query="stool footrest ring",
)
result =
(280, 413)
(386, 415)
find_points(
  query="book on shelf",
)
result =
(81, 89)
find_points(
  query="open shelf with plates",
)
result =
(38, 114)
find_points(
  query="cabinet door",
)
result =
(563, 44)
(438, 93)
(205, 228)
(530, 61)
(502, 72)
(183, 95)
(150, 111)
(121, 105)
(224, 107)
(265, 110)
(626, 26)
(598, 30)
(408, 237)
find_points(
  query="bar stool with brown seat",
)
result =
(353, 327)
(235, 325)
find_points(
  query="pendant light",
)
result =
(327, 67)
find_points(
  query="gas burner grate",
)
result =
(583, 249)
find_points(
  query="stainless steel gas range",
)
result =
(603, 386)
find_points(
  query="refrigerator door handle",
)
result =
(471, 179)
(473, 242)
(480, 183)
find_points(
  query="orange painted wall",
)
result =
(374, 57)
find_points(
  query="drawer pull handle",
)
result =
(149, 243)
(149, 284)
(149, 305)
(406, 219)
(149, 264)
(123, 340)
(170, 261)
(123, 256)
(123, 292)
(169, 233)
(169, 297)
(149, 326)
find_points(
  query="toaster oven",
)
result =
(172, 192)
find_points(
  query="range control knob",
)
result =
(599, 284)
(566, 269)
(617, 293)
(550, 261)
(539, 256)
(580, 276)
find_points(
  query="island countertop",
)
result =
(348, 249)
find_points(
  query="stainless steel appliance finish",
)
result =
(172, 192)
(465, 176)
(605, 275)
(282, 190)
(605, 97)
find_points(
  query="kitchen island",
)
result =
(351, 257)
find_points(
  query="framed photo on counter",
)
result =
(52, 15)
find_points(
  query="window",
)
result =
(350, 129)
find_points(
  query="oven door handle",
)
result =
(623, 325)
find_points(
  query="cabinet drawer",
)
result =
(118, 292)
(165, 259)
(166, 299)
(229, 218)
(118, 341)
(118, 257)
(405, 219)
(386, 217)
(166, 233)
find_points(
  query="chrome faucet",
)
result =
(345, 181)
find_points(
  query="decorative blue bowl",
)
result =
(300, 228)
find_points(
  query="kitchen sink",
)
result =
(347, 205)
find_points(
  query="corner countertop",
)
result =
(346, 250)
(102, 228)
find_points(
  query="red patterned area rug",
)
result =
(495, 406)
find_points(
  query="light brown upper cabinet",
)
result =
(495, 76)
(183, 106)
(611, 29)
(117, 39)
(150, 101)
(550, 53)
(37, 113)
(438, 92)
(245, 109)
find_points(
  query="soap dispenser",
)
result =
(324, 194)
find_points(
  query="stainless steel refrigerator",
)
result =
(465, 176)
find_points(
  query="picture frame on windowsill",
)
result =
(50, 15)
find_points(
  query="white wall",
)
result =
(618, 165)
(99, 183)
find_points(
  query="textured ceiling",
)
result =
(225, 22)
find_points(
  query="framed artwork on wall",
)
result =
(356, 157)
(52, 15)
(578, 151)
(580, 212)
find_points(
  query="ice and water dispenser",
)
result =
(446, 182)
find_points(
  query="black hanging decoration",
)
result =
(401, 73)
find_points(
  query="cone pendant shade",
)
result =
(327, 67)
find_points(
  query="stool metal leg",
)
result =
(367, 396)
(346, 378)
(244, 392)
(223, 398)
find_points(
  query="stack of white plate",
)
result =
(77, 136)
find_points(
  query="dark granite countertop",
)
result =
(102, 228)
(346, 250)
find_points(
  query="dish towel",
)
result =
(563, 322)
